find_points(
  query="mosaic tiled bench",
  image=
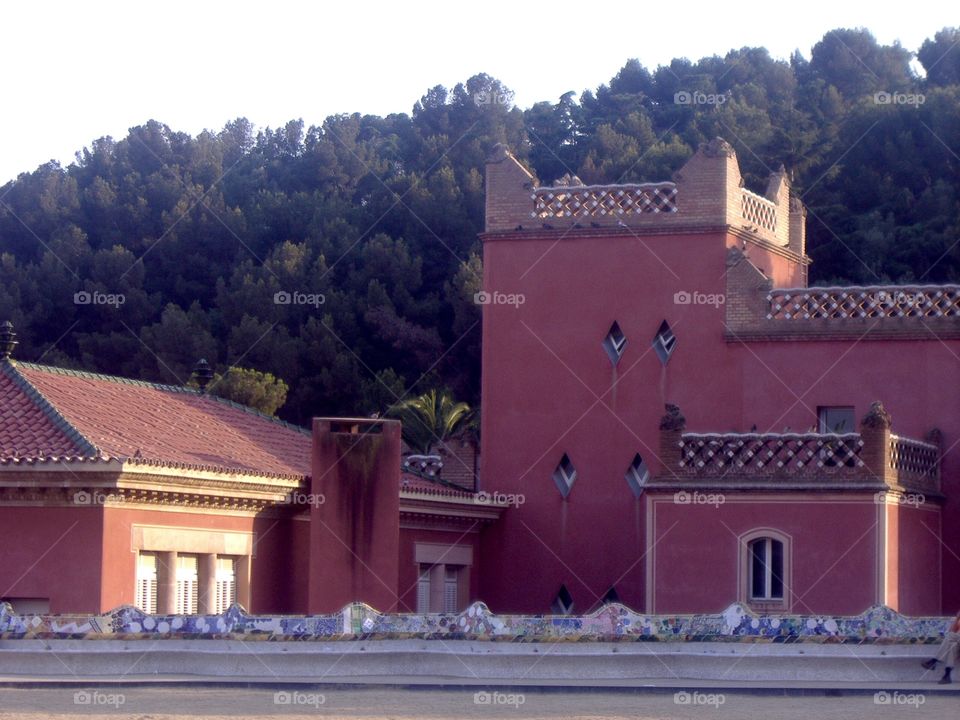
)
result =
(611, 623)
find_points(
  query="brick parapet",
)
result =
(707, 191)
(863, 462)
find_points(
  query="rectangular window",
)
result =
(449, 599)
(839, 419)
(758, 560)
(766, 569)
(451, 587)
(146, 593)
(776, 570)
(187, 585)
(226, 583)
(423, 590)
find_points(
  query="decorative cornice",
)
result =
(120, 498)
(432, 506)
(133, 465)
(119, 487)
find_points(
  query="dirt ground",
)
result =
(380, 703)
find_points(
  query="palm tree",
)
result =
(432, 418)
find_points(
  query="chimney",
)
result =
(709, 185)
(508, 192)
(354, 514)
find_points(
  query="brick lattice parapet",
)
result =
(874, 459)
(877, 301)
(757, 311)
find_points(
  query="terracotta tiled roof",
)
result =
(50, 412)
(26, 429)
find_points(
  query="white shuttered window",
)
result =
(187, 585)
(226, 582)
(146, 594)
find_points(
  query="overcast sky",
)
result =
(76, 71)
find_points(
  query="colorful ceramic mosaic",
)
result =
(610, 623)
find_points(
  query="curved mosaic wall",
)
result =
(610, 623)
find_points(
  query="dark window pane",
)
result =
(776, 567)
(837, 420)
(757, 568)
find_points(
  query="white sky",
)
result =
(73, 72)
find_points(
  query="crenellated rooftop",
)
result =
(706, 193)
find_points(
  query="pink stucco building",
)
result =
(766, 486)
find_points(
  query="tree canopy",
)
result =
(342, 258)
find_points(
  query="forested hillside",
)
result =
(369, 224)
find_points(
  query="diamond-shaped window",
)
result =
(664, 342)
(637, 475)
(565, 475)
(563, 602)
(615, 343)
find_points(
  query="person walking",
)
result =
(948, 652)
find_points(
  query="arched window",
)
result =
(765, 569)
